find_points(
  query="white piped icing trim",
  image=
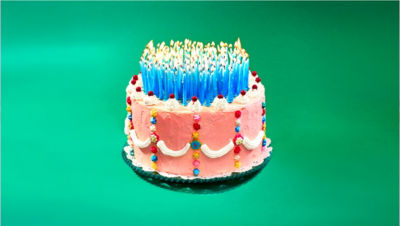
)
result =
(247, 143)
(216, 153)
(251, 144)
(166, 151)
(139, 143)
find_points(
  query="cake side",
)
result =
(218, 129)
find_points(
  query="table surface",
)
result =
(331, 76)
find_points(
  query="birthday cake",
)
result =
(195, 111)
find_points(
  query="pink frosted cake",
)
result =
(196, 111)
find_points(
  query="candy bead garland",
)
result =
(154, 138)
(237, 140)
(264, 126)
(129, 110)
(196, 144)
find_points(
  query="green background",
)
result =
(331, 72)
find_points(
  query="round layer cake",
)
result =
(178, 134)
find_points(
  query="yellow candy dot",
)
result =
(195, 135)
(153, 113)
(154, 165)
(237, 164)
(128, 108)
(196, 155)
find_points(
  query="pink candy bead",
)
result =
(196, 163)
(196, 118)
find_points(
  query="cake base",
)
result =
(152, 176)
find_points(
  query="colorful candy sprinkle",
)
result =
(131, 152)
(196, 163)
(237, 129)
(196, 172)
(153, 120)
(196, 118)
(236, 150)
(154, 165)
(195, 135)
(196, 155)
(237, 164)
(153, 112)
(238, 114)
(153, 149)
(195, 145)
(154, 158)
(196, 126)
(254, 73)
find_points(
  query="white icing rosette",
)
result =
(241, 99)
(195, 106)
(171, 104)
(220, 103)
(150, 100)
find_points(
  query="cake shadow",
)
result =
(200, 188)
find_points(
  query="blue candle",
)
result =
(185, 88)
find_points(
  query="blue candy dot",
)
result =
(196, 172)
(264, 143)
(263, 105)
(195, 145)
(130, 117)
(263, 119)
(237, 129)
(154, 158)
(153, 120)
(131, 152)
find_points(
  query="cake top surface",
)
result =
(191, 71)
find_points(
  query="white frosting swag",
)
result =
(248, 143)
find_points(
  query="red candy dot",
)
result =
(220, 96)
(128, 100)
(172, 96)
(153, 149)
(236, 150)
(238, 114)
(150, 93)
(258, 79)
(138, 89)
(194, 98)
(254, 86)
(254, 73)
(243, 92)
(135, 77)
(133, 81)
(263, 111)
(196, 126)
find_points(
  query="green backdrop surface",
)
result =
(331, 76)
